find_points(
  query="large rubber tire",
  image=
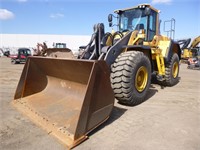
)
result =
(171, 71)
(125, 72)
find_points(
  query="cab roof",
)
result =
(138, 6)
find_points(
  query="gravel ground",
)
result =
(168, 120)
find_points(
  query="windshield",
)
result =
(133, 19)
(24, 51)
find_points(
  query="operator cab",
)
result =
(142, 18)
(24, 51)
(59, 45)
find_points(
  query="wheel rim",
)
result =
(141, 79)
(175, 70)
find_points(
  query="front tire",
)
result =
(131, 77)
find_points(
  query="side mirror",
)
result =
(110, 20)
(110, 17)
(147, 11)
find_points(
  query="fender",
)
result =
(116, 49)
(173, 48)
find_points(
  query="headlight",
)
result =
(141, 6)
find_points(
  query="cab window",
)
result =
(152, 25)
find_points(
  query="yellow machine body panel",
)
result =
(186, 54)
(164, 46)
(195, 42)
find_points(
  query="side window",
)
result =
(152, 25)
(124, 24)
(28, 52)
(21, 52)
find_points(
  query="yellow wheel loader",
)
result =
(58, 50)
(192, 50)
(71, 97)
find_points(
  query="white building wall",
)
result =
(30, 40)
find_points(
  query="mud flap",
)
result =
(68, 98)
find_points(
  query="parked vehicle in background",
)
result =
(21, 56)
(4, 53)
(193, 63)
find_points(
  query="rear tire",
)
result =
(130, 77)
(13, 61)
(171, 71)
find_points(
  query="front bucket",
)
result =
(59, 53)
(68, 98)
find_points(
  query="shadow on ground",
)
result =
(116, 113)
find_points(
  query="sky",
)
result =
(77, 17)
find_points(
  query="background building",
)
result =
(13, 41)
